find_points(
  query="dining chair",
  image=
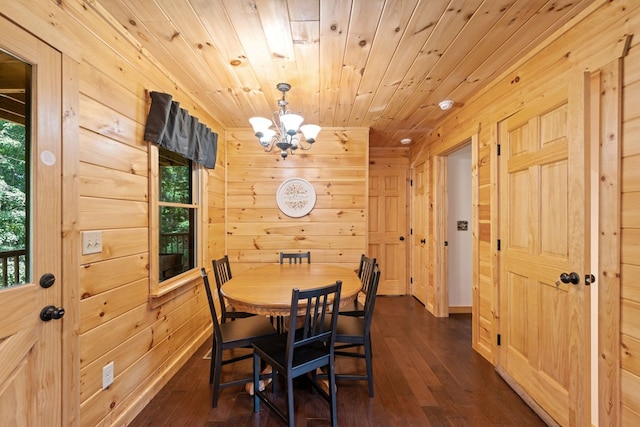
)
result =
(296, 257)
(365, 271)
(232, 335)
(307, 346)
(352, 332)
(222, 273)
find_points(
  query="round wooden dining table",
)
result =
(267, 289)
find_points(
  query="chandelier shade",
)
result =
(260, 124)
(285, 130)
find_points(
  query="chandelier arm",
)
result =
(269, 147)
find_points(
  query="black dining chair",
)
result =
(365, 271)
(307, 346)
(353, 332)
(222, 273)
(232, 335)
(296, 257)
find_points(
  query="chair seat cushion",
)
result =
(254, 327)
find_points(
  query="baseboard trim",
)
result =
(462, 309)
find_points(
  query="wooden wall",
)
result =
(630, 252)
(597, 40)
(146, 340)
(334, 231)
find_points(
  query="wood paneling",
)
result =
(629, 242)
(383, 65)
(335, 231)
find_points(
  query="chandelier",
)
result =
(286, 135)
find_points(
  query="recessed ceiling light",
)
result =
(405, 141)
(446, 104)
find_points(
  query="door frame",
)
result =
(71, 240)
(606, 128)
(439, 187)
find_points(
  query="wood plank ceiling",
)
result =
(382, 64)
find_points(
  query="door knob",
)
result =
(423, 241)
(589, 279)
(572, 277)
(401, 238)
(51, 312)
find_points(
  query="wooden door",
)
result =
(30, 349)
(419, 225)
(388, 231)
(544, 322)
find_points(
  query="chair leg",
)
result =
(256, 383)
(290, 408)
(213, 360)
(216, 375)
(368, 359)
(332, 393)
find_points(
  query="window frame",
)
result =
(159, 289)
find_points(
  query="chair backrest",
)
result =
(295, 258)
(222, 273)
(365, 271)
(370, 301)
(212, 307)
(311, 329)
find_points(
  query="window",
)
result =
(175, 227)
(15, 172)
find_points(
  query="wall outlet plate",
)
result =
(107, 375)
(91, 242)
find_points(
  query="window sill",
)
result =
(173, 287)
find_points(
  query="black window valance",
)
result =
(175, 129)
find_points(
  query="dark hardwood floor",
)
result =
(426, 374)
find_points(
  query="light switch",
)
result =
(91, 242)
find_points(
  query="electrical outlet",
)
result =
(91, 242)
(107, 375)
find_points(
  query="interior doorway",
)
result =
(459, 233)
(452, 189)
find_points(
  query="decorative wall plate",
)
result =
(296, 197)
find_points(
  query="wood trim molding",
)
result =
(608, 279)
(71, 241)
(440, 286)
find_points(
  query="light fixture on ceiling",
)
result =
(405, 141)
(446, 104)
(285, 136)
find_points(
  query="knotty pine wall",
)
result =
(630, 250)
(587, 46)
(147, 340)
(334, 231)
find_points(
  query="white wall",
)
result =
(459, 209)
